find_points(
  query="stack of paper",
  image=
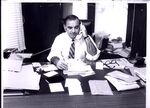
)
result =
(11, 65)
(25, 79)
(122, 81)
(141, 72)
(122, 52)
(74, 86)
(46, 67)
(78, 68)
(116, 45)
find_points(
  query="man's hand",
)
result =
(83, 30)
(61, 65)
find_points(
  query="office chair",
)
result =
(89, 26)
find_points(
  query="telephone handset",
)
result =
(82, 32)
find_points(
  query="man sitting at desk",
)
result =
(74, 43)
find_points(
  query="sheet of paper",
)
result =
(11, 65)
(49, 67)
(70, 81)
(36, 64)
(14, 56)
(25, 79)
(24, 55)
(51, 73)
(56, 87)
(75, 90)
(99, 65)
(100, 87)
(74, 86)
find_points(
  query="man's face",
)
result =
(72, 27)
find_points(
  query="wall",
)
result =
(67, 9)
(111, 17)
(80, 9)
(41, 26)
(77, 8)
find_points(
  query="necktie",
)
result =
(72, 50)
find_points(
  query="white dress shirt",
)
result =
(61, 47)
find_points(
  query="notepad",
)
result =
(100, 87)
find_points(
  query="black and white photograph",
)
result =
(75, 54)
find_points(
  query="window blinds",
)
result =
(12, 26)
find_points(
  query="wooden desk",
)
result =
(126, 99)
(130, 99)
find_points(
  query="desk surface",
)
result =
(128, 99)
(45, 99)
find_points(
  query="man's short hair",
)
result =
(70, 17)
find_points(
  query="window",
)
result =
(12, 26)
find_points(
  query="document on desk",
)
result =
(49, 67)
(83, 70)
(74, 86)
(100, 87)
(36, 64)
(24, 55)
(122, 76)
(25, 79)
(140, 72)
(56, 87)
(51, 73)
(121, 85)
(99, 65)
(11, 65)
